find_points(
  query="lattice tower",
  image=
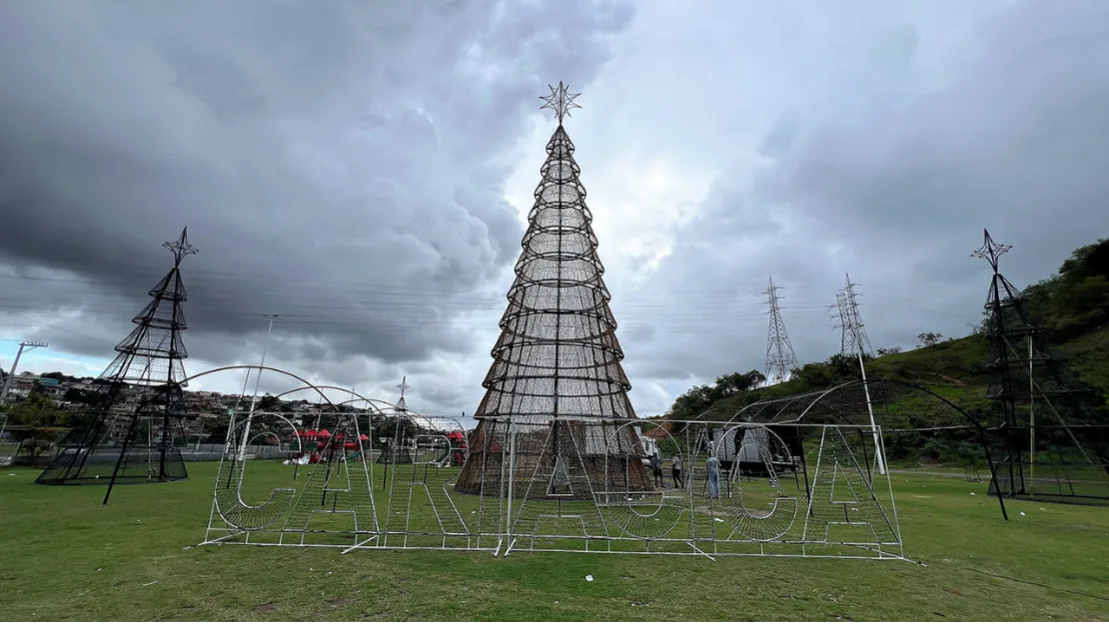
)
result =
(844, 325)
(780, 358)
(857, 340)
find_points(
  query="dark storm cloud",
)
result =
(892, 176)
(339, 163)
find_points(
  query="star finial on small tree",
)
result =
(180, 247)
(560, 101)
(991, 250)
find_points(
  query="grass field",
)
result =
(64, 556)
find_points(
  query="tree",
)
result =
(269, 403)
(734, 383)
(693, 402)
(888, 351)
(929, 339)
(36, 422)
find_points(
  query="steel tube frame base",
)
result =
(830, 507)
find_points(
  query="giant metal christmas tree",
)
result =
(129, 436)
(1049, 438)
(556, 381)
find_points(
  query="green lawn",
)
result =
(63, 557)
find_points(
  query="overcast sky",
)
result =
(364, 169)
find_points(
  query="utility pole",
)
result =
(780, 358)
(853, 324)
(257, 381)
(33, 344)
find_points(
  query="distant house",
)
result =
(660, 433)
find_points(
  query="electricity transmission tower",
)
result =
(854, 338)
(844, 326)
(855, 342)
(780, 358)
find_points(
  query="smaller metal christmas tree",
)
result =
(129, 436)
(1044, 427)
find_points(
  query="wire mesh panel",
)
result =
(320, 495)
(669, 487)
(336, 487)
(132, 445)
(697, 488)
(1059, 464)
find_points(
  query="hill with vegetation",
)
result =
(1072, 306)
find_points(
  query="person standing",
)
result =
(712, 469)
(656, 470)
(676, 471)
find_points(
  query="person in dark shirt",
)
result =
(656, 469)
(676, 471)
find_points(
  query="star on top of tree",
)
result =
(560, 101)
(180, 247)
(991, 250)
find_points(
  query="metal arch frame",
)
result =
(422, 420)
(372, 404)
(251, 367)
(703, 538)
(321, 387)
(292, 427)
(818, 396)
(763, 404)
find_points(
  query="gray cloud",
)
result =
(347, 166)
(339, 163)
(892, 175)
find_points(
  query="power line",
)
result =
(284, 279)
(312, 287)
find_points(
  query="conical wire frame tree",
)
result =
(128, 436)
(1050, 440)
(556, 381)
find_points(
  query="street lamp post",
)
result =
(33, 344)
(257, 381)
